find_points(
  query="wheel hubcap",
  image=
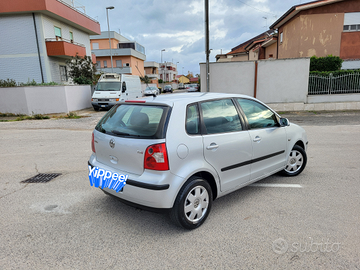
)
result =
(295, 162)
(196, 204)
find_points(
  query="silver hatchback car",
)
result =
(181, 152)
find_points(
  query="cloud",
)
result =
(178, 26)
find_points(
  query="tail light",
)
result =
(93, 143)
(156, 158)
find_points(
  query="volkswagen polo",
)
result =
(180, 152)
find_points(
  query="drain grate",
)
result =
(41, 178)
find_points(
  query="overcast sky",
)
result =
(179, 27)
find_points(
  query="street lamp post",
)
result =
(107, 16)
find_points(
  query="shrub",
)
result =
(328, 63)
(12, 83)
(7, 83)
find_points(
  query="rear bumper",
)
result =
(151, 189)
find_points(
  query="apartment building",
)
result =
(127, 56)
(39, 36)
(168, 71)
(152, 71)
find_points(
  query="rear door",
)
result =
(268, 139)
(227, 146)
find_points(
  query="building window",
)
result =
(63, 74)
(281, 37)
(98, 65)
(351, 22)
(71, 37)
(271, 56)
(118, 63)
(351, 28)
(57, 32)
(105, 64)
(95, 46)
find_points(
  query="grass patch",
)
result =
(21, 117)
(72, 115)
(32, 117)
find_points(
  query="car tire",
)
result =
(296, 162)
(193, 204)
(96, 108)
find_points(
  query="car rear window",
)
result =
(136, 121)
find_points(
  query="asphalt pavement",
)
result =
(306, 222)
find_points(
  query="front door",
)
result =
(268, 139)
(227, 146)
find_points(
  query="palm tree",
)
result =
(145, 79)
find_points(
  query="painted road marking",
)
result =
(276, 185)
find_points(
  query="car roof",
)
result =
(187, 98)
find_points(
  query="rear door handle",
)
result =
(257, 139)
(212, 146)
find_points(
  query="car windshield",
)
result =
(108, 86)
(151, 88)
(167, 86)
(135, 121)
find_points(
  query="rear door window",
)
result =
(136, 121)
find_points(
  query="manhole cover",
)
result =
(41, 178)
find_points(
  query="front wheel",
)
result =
(193, 204)
(296, 162)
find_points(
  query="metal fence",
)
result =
(329, 85)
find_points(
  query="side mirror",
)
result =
(123, 87)
(284, 122)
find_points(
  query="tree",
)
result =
(190, 75)
(82, 70)
(145, 79)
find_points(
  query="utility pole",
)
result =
(207, 51)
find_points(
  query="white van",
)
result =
(113, 88)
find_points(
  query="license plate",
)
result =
(103, 106)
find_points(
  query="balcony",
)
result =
(64, 48)
(118, 70)
(153, 76)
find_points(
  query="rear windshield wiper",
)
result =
(124, 133)
(121, 133)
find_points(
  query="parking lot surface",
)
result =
(306, 222)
